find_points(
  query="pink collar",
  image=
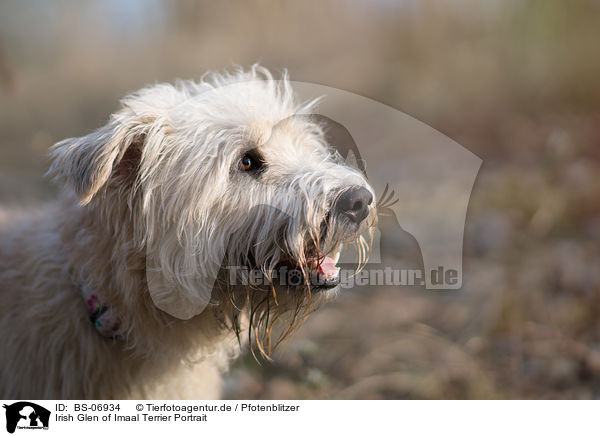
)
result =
(103, 317)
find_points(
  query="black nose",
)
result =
(354, 203)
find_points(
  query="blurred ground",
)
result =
(516, 82)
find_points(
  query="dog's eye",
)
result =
(247, 163)
(250, 163)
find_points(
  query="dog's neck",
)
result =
(115, 272)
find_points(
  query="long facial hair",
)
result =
(271, 313)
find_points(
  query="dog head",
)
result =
(227, 173)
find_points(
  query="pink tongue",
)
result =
(328, 268)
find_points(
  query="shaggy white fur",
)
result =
(182, 182)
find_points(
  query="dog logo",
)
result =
(26, 415)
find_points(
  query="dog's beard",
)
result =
(272, 307)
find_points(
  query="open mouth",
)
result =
(318, 271)
(321, 271)
(326, 270)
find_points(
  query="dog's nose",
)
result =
(354, 203)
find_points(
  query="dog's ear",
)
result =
(183, 265)
(181, 283)
(87, 163)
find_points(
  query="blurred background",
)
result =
(516, 82)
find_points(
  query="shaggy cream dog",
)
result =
(136, 282)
